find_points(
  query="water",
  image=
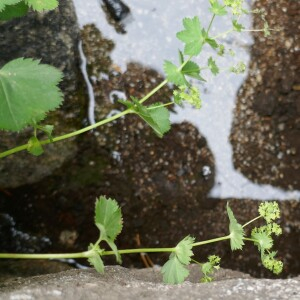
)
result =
(150, 39)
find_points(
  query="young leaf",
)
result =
(192, 36)
(95, 260)
(236, 231)
(212, 66)
(28, 90)
(34, 146)
(174, 271)
(108, 219)
(47, 129)
(192, 69)
(217, 8)
(212, 42)
(184, 251)
(13, 11)
(264, 241)
(173, 74)
(209, 267)
(109, 215)
(236, 26)
(40, 5)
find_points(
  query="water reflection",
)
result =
(150, 39)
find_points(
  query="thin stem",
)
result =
(154, 91)
(223, 33)
(162, 105)
(67, 136)
(251, 240)
(211, 21)
(227, 237)
(85, 254)
(139, 250)
(246, 224)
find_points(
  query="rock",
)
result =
(119, 283)
(53, 38)
(265, 131)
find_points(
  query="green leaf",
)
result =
(174, 271)
(192, 36)
(212, 42)
(217, 8)
(108, 214)
(221, 50)
(236, 231)
(40, 5)
(48, 129)
(209, 267)
(264, 241)
(28, 90)
(192, 69)
(108, 219)
(4, 3)
(34, 146)
(236, 26)
(160, 119)
(13, 11)
(183, 250)
(173, 74)
(212, 66)
(95, 260)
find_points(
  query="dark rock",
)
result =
(53, 38)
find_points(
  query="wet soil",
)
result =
(266, 127)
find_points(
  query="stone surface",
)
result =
(266, 127)
(53, 38)
(119, 283)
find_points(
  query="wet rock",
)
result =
(53, 38)
(118, 283)
(265, 132)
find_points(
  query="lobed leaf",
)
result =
(183, 250)
(108, 214)
(174, 271)
(173, 74)
(217, 8)
(193, 36)
(13, 11)
(28, 90)
(4, 3)
(236, 231)
(192, 69)
(40, 5)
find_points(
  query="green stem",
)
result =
(227, 237)
(163, 105)
(223, 33)
(246, 224)
(139, 250)
(251, 240)
(154, 91)
(85, 254)
(67, 136)
(211, 21)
